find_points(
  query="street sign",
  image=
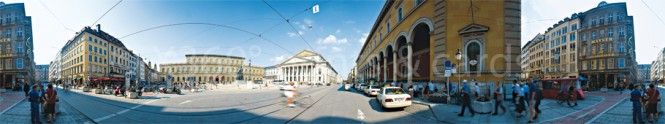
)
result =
(315, 9)
(447, 64)
(448, 73)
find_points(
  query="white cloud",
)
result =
(278, 58)
(293, 34)
(363, 38)
(338, 31)
(350, 22)
(332, 39)
(336, 49)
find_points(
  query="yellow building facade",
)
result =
(210, 69)
(94, 54)
(411, 39)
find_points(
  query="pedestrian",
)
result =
(416, 91)
(425, 91)
(526, 95)
(411, 90)
(532, 101)
(515, 91)
(635, 97)
(34, 100)
(621, 88)
(476, 89)
(520, 102)
(50, 97)
(654, 96)
(393, 84)
(498, 95)
(572, 96)
(26, 88)
(466, 100)
(539, 97)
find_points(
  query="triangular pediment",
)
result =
(472, 28)
(303, 56)
(306, 53)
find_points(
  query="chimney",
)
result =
(99, 28)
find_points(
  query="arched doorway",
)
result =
(402, 52)
(420, 58)
(382, 67)
(389, 63)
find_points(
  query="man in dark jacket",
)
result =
(26, 89)
(35, 100)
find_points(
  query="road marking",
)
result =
(10, 107)
(585, 114)
(608, 109)
(185, 102)
(361, 115)
(121, 112)
(557, 118)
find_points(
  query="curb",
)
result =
(10, 107)
(430, 109)
(77, 110)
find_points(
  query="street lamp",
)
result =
(458, 56)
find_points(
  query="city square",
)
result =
(326, 61)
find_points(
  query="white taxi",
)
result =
(393, 97)
(372, 90)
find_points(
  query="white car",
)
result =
(393, 97)
(361, 87)
(372, 90)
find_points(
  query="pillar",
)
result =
(409, 61)
(385, 70)
(394, 65)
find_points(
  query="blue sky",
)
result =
(335, 32)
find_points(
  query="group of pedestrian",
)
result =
(645, 99)
(420, 90)
(45, 98)
(528, 94)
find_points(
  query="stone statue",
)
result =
(240, 75)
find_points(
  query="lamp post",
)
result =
(458, 56)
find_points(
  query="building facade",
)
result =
(206, 68)
(307, 67)
(643, 73)
(16, 48)
(607, 45)
(658, 67)
(93, 55)
(411, 39)
(524, 61)
(271, 74)
(561, 49)
(41, 73)
(535, 64)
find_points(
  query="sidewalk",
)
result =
(622, 113)
(20, 114)
(552, 112)
(9, 99)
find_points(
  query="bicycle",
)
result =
(300, 101)
(561, 98)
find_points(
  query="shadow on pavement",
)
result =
(104, 110)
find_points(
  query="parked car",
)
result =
(393, 97)
(372, 90)
(361, 87)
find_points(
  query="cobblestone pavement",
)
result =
(611, 99)
(551, 112)
(20, 114)
(10, 98)
(622, 113)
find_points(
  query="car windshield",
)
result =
(394, 91)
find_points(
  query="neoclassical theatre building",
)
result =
(411, 39)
